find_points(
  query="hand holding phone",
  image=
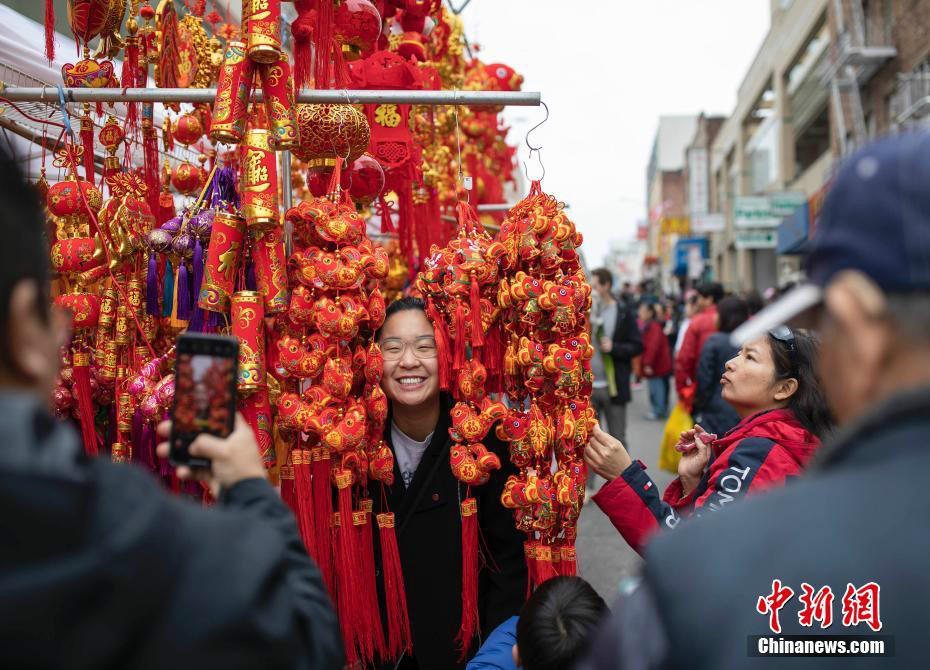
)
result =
(204, 394)
(232, 458)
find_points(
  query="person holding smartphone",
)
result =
(101, 567)
(773, 386)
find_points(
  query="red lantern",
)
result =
(188, 129)
(330, 131)
(187, 178)
(84, 308)
(365, 179)
(358, 26)
(64, 198)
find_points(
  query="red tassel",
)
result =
(323, 513)
(477, 329)
(347, 571)
(304, 495)
(302, 30)
(442, 346)
(469, 625)
(50, 30)
(569, 567)
(129, 76)
(87, 141)
(323, 44)
(288, 490)
(81, 376)
(459, 353)
(529, 554)
(334, 189)
(373, 633)
(387, 224)
(544, 569)
(395, 596)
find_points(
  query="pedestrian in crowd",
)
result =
(753, 300)
(425, 499)
(101, 567)
(701, 326)
(656, 360)
(853, 530)
(774, 388)
(711, 411)
(552, 632)
(618, 341)
(688, 309)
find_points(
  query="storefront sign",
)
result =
(792, 232)
(701, 224)
(765, 211)
(674, 226)
(698, 193)
(760, 238)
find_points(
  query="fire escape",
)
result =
(910, 103)
(854, 61)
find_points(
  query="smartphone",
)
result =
(204, 393)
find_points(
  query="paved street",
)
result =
(604, 557)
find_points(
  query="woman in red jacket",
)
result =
(656, 360)
(773, 386)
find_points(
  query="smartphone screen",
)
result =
(204, 394)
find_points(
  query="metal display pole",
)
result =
(50, 94)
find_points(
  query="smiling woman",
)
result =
(425, 498)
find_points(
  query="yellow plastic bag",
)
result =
(678, 421)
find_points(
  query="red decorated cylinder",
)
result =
(120, 452)
(270, 269)
(258, 181)
(122, 325)
(84, 308)
(107, 372)
(75, 254)
(134, 293)
(278, 87)
(264, 30)
(124, 411)
(248, 326)
(232, 95)
(219, 275)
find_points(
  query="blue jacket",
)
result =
(497, 651)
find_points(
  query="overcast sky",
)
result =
(608, 70)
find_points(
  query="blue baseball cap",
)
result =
(875, 219)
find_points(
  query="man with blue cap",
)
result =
(843, 551)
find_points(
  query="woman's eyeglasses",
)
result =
(786, 336)
(423, 348)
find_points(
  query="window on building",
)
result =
(812, 142)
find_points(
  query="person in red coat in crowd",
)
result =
(702, 325)
(656, 360)
(773, 385)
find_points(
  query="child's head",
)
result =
(556, 623)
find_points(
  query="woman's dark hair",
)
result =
(603, 275)
(650, 307)
(808, 403)
(710, 289)
(556, 623)
(406, 303)
(732, 311)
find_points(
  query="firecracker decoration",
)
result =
(232, 95)
(332, 413)
(258, 179)
(544, 301)
(459, 283)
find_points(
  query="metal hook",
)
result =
(527, 138)
(539, 159)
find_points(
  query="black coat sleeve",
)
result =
(503, 579)
(246, 594)
(628, 342)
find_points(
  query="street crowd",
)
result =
(798, 435)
